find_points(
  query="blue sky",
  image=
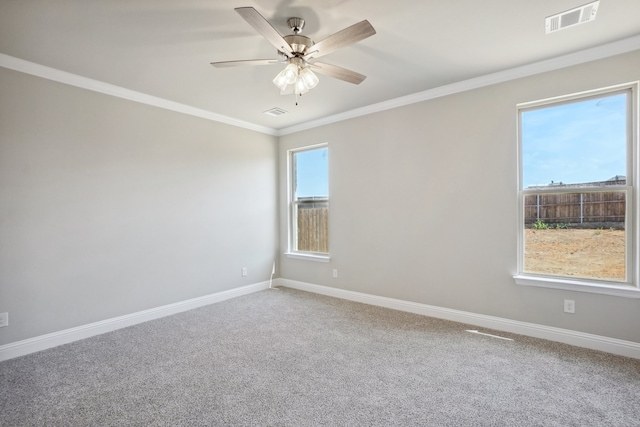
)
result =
(582, 141)
(312, 170)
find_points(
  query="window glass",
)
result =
(309, 227)
(577, 142)
(312, 173)
(574, 188)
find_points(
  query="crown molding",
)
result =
(71, 79)
(576, 58)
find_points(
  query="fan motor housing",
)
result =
(299, 44)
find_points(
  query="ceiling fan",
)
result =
(299, 52)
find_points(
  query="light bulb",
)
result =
(280, 80)
(291, 73)
(286, 77)
(309, 78)
(301, 87)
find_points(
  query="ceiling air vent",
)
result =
(570, 18)
(275, 111)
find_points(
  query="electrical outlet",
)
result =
(244, 271)
(335, 273)
(569, 306)
(4, 320)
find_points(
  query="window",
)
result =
(577, 195)
(309, 203)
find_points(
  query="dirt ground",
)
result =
(576, 252)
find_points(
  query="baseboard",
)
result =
(43, 342)
(579, 339)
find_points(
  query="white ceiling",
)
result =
(163, 47)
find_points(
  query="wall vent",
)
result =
(572, 17)
(275, 111)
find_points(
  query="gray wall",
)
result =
(109, 207)
(423, 204)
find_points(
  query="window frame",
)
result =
(293, 203)
(630, 287)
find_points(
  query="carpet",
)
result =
(283, 357)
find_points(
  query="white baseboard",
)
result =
(43, 342)
(579, 339)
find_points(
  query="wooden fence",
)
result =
(313, 227)
(595, 209)
(575, 208)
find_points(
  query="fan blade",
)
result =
(349, 35)
(338, 72)
(223, 64)
(263, 26)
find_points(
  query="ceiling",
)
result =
(164, 48)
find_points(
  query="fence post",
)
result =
(581, 209)
(537, 207)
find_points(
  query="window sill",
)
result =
(626, 291)
(308, 256)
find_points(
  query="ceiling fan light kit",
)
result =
(300, 52)
(296, 74)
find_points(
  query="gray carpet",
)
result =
(290, 358)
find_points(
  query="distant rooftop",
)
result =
(615, 180)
